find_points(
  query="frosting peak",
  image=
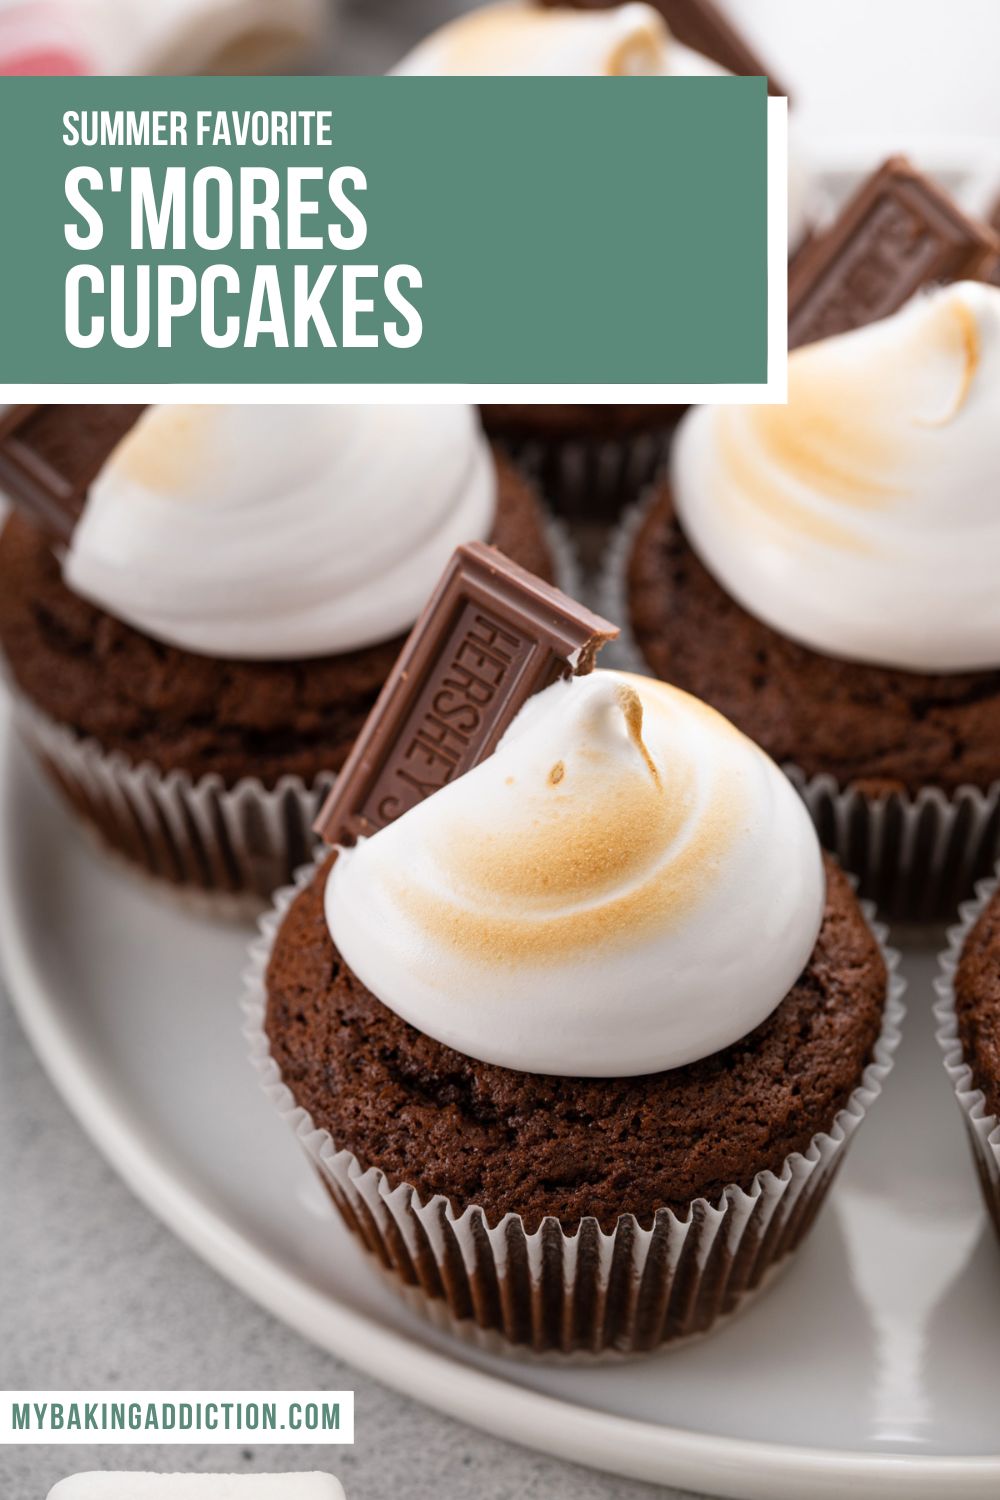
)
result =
(281, 531)
(861, 518)
(626, 885)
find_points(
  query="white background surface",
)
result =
(94, 1292)
(897, 71)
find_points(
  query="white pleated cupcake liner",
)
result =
(219, 850)
(587, 1291)
(591, 479)
(916, 855)
(982, 1127)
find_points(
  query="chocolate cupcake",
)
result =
(591, 460)
(968, 1015)
(194, 665)
(181, 38)
(578, 1042)
(824, 573)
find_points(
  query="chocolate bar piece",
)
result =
(701, 25)
(50, 455)
(992, 272)
(898, 233)
(490, 637)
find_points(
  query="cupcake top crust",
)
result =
(607, 962)
(89, 670)
(539, 1144)
(626, 885)
(878, 728)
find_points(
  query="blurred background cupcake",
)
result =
(824, 573)
(577, 1043)
(968, 1015)
(592, 459)
(162, 36)
(194, 663)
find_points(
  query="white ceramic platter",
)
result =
(872, 1363)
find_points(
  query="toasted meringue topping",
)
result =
(862, 518)
(626, 885)
(523, 39)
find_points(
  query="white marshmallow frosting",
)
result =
(863, 518)
(626, 885)
(281, 531)
(144, 1486)
(523, 38)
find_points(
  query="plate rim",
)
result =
(740, 1468)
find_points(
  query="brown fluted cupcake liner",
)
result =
(917, 856)
(224, 849)
(981, 1126)
(585, 1290)
(591, 479)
